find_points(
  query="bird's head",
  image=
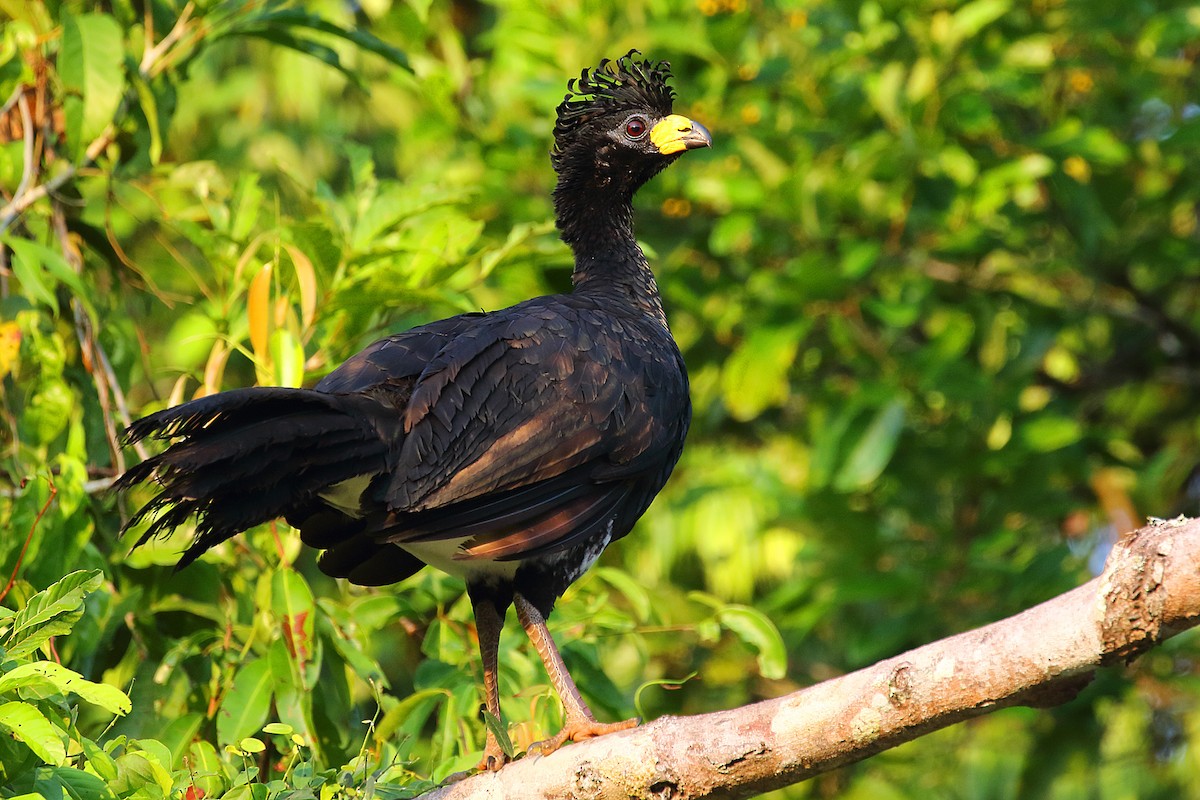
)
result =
(615, 128)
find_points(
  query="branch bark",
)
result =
(1148, 592)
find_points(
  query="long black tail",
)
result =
(248, 456)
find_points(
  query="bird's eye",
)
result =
(635, 128)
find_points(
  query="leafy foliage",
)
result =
(936, 286)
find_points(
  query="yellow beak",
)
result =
(676, 133)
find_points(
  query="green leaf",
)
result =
(287, 354)
(1051, 432)
(884, 90)
(756, 629)
(75, 783)
(298, 17)
(360, 663)
(498, 729)
(873, 450)
(139, 770)
(408, 717)
(38, 259)
(755, 377)
(91, 65)
(420, 8)
(251, 745)
(293, 702)
(25, 723)
(50, 613)
(178, 735)
(629, 588)
(149, 103)
(858, 257)
(206, 769)
(248, 199)
(308, 47)
(67, 681)
(30, 272)
(244, 708)
(99, 761)
(1034, 53)
(971, 18)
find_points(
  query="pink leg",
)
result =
(580, 723)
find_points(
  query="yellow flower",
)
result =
(676, 207)
(10, 346)
(1080, 81)
(1078, 169)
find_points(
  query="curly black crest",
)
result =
(631, 82)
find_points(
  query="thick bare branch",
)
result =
(1149, 591)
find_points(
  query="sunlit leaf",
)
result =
(149, 103)
(258, 300)
(972, 17)
(91, 63)
(49, 613)
(756, 376)
(756, 629)
(873, 449)
(68, 681)
(1050, 432)
(25, 723)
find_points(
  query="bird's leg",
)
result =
(489, 620)
(579, 723)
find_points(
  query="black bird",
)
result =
(509, 447)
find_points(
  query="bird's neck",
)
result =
(608, 260)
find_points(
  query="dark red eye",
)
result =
(635, 128)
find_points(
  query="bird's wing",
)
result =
(532, 395)
(387, 369)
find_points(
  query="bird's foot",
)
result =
(577, 730)
(493, 759)
(494, 756)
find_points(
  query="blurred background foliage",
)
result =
(937, 284)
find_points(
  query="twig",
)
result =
(95, 359)
(152, 56)
(25, 199)
(12, 99)
(12, 579)
(29, 168)
(91, 487)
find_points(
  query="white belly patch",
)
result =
(441, 554)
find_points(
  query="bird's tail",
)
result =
(247, 456)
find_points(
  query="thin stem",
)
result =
(12, 579)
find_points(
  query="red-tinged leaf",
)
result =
(292, 602)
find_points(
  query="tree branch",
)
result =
(1148, 592)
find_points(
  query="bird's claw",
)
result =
(494, 757)
(577, 730)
